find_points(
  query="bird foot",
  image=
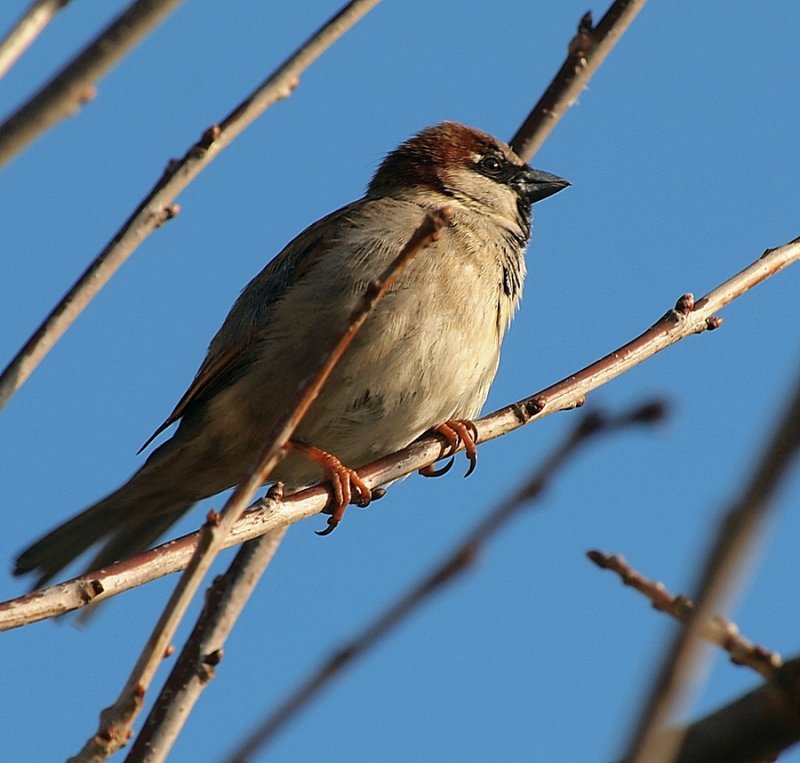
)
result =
(344, 480)
(457, 432)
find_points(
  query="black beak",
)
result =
(535, 185)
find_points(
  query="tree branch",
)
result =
(718, 630)
(203, 650)
(718, 582)
(116, 720)
(586, 51)
(74, 84)
(453, 564)
(756, 728)
(158, 206)
(687, 318)
(29, 26)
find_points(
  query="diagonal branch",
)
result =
(719, 580)
(687, 318)
(718, 630)
(454, 563)
(116, 720)
(159, 205)
(29, 26)
(195, 666)
(586, 51)
(203, 650)
(755, 728)
(74, 84)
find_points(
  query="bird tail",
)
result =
(131, 518)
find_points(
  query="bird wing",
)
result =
(249, 317)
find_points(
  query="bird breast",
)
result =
(427, 353)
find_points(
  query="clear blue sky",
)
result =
(683, 155)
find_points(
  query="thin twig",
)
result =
(203, 650)
(586, 51)
(116, 720)
(454, 563)
(63, 95)
(718, 583)
(159, 204)
(28, 27)
(686, 319)
(718, 630)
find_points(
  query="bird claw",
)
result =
(432, 471)
(457, 432)
(344, 481)
(329, 529)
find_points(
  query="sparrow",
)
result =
(424, 359)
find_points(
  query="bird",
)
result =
(424, 359)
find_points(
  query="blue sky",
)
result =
(683, 155)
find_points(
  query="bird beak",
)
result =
(535, 185)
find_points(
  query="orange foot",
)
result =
(343, 479)
(456, 432)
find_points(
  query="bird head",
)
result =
(452, 163)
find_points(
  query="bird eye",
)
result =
(491, 165)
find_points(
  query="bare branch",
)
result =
(29, 26)
(74, 84)
(756, 728)
(116, 720)
(203, 650)
(686, 319)
(159, 204)
(586, 51)
(718, 630)
(454, 563)
(718, 582)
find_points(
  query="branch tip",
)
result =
(716, 629)
(599, 558)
